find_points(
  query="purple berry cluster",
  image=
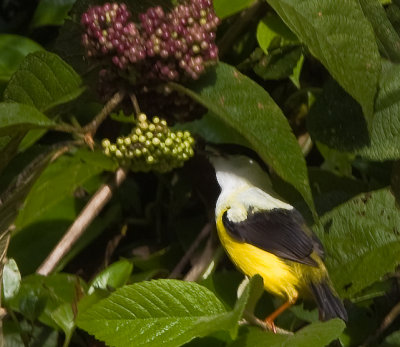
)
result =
(181, 40)
(163, 47)
(108, 32)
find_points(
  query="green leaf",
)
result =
(347, 130)
(246, 107)
(44, 81)
(161, 312)
(392, 340)
(51, 12)
(393, 13)
(13, 49)
(273, 33)
(52, 299)
(214, 130)
(226, 8)
(35, 335)
(339, 35)
(355, 235)
(12, 198)
(18, 117)
(279, 64)
(318, 334)
(114, 276)
(57, 182)
(11, 280)
(387, 38)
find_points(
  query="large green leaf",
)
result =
(160, 312)
(56, 183)
(13, 49)
(19, 117)
(318, 334)
(362, 240)
(226, 8)
(44, 81)
(338, 34)
(336, 119)
(246, 107)
(387, 37)
(51, 12)
(214, 130)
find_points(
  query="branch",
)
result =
(91, 128)
(387, 321)
(252, 319)
(90, 211)
(203, 262)
(177, 271)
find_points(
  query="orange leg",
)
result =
(270, 319)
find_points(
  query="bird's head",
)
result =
(234, 171)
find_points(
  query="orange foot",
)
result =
(270, 319)
(270, 325)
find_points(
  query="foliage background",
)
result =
(313, 87)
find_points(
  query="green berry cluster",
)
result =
(151, 146)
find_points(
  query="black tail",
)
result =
(330, 306)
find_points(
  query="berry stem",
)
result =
(135, 104)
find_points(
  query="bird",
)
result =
(262, 234)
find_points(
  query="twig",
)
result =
(202, 263)
(91, 128)
(387, 321)
(177, 271)
(135, 104)
(90, 211)
(252, 319)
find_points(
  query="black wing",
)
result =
(278, 231)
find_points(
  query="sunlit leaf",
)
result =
(246, 107)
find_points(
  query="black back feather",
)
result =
(278, 231)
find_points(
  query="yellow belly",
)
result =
(279, 277)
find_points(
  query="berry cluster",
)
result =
(151, 146)
(181, 40)
(166, 46)
(109, 33)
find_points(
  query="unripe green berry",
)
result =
(155, 141)
(142, 139)
(112, 148)
(127, 141)
(105, 143)
(152, 127)
(156, 120)
(142, 117)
